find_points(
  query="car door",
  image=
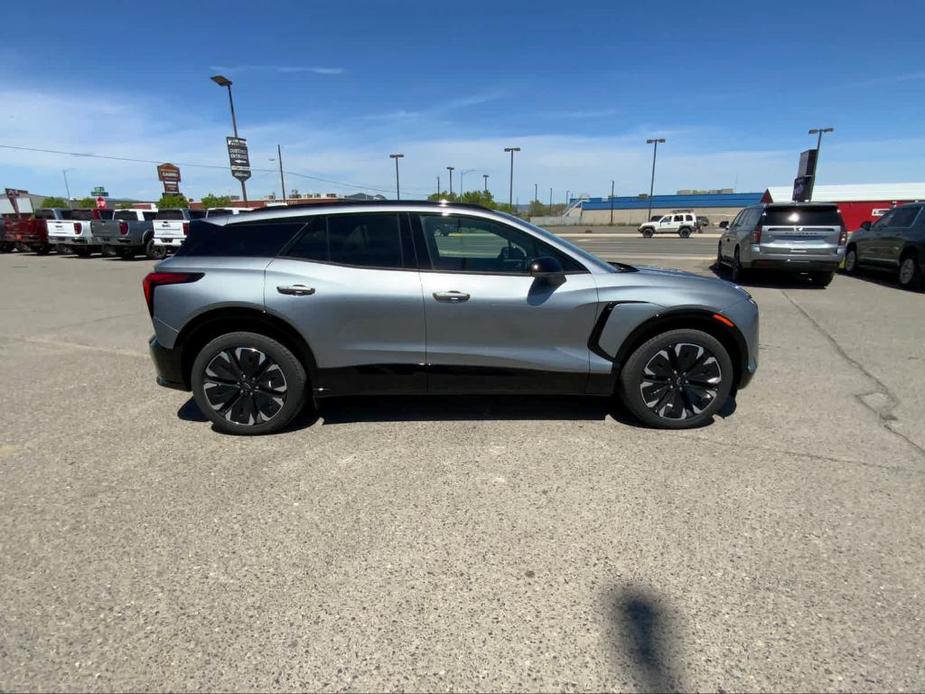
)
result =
(349, 284)
(729, 235)
(893, 238)
(666, 224)
(868, 240)
(491, 326)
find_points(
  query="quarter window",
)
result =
(471, 244)
(904, 216)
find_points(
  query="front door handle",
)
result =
(296, 290)
(453, 296)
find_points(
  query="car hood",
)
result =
(670, 288)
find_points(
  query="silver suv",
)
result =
(259, 314)
(792, 237)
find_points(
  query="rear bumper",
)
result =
(169, 365)
(795, 261)
(169, 242)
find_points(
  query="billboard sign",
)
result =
(13, 195)
(808, 162)
(169, 175)
(239, 158)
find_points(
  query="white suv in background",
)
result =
(681, 223)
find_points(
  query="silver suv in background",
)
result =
(259, 314)
(788, 237)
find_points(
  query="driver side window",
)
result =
(457, 243)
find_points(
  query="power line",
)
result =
(343, 184)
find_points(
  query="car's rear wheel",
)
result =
(82, 252)
(719, 254)
(851, 261)
(823, 279)
(737, 272)
(677, 380)
(156, 252)
(248, 383)
(910, 274)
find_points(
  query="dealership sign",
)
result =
(238, 157)
(169, 175)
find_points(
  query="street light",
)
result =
(396, 157)
(654, 141)
(223, 81)
(819, 131)
(611, 202)
(450, 169)
(511, 188)
(485, 181)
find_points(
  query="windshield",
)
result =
(575, 250)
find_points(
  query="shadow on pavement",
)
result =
(643, 636)
(768, 279)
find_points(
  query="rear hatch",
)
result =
(801, 229)
(174, 224)
(75, 224)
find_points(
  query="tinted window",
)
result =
(471, 244)
(44, 214)
(170, 214)
(679, 218)
(802, 216)
(103, 214)
(79, 215)
(150, 215)
(254, 239)
(126, 215)
(904, 216)
(218, 211)
(363, 240)
(197, 214)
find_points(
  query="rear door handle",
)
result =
(453, 296)
(296, 290)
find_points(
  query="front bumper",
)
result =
(168, 364)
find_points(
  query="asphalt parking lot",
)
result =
(461, 543)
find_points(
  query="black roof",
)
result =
(374, 203)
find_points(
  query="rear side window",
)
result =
(197, 214)
(78, 215)
(170, 214)
(44, 214)
(904, 216)
(362, 240)
(802, 216)
(126, 216)
(251, 239)
(150, 216)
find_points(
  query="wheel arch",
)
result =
(691, 319)
(209, 325)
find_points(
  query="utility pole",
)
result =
(66, 186)
(611, 202)
(222, 81)
(282, 181)
(550, 199)
(655, 142)
(511, 188)
(450, 169)
(438, 186)
(396, 157)
(536, 192)
(485, 182)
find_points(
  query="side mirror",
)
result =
(548, 269)
(865, 225)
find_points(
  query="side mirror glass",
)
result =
(548, 269)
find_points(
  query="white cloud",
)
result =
(282, 69)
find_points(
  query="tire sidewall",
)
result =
(851, 268)
(632, 372)
(293, 370)
(913, 278)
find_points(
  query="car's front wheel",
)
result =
(851, 261)
(677, 380)
(647, 233)
(248, 383)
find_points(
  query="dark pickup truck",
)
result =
(28, 232)
(127, 234)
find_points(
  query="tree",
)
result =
(86, 202)
(126, 205)
(211, 200)
(54, 202)
(173, 201)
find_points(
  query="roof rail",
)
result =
(376, 203)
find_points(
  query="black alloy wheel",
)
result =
(248, 383)
(677, 380)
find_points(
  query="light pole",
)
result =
(550, 200)
(536, 192)
(66, 186)
(511, 186)
(611, 202)
(223, 81)
(396, 157)
(282, 181)
(450, 169)
(655, 142)
(485, 182)
(438, 187)
(819, 131)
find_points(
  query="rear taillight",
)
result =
(756, 233)
(186, 228)
(77, 228)
(843, 236)
(153, 280)
(123, 228)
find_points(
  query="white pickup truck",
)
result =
(171, 227)
(73, 233)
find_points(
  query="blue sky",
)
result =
(732, 86)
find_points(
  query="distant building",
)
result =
(634, 210)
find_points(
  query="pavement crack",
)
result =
(881, 401)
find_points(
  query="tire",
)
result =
(910, 272)
(719, 254)
(156, 252)
(148, 249)
(81, 251)
(238, 406)
(684, 232)
(738, 272)
(108, 251)
(126, 253)
(6, 247)
(851, 261)
(677, 380)
(62, 249)
(647, 233)
(823, 279)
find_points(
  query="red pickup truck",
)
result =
(28, 232)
